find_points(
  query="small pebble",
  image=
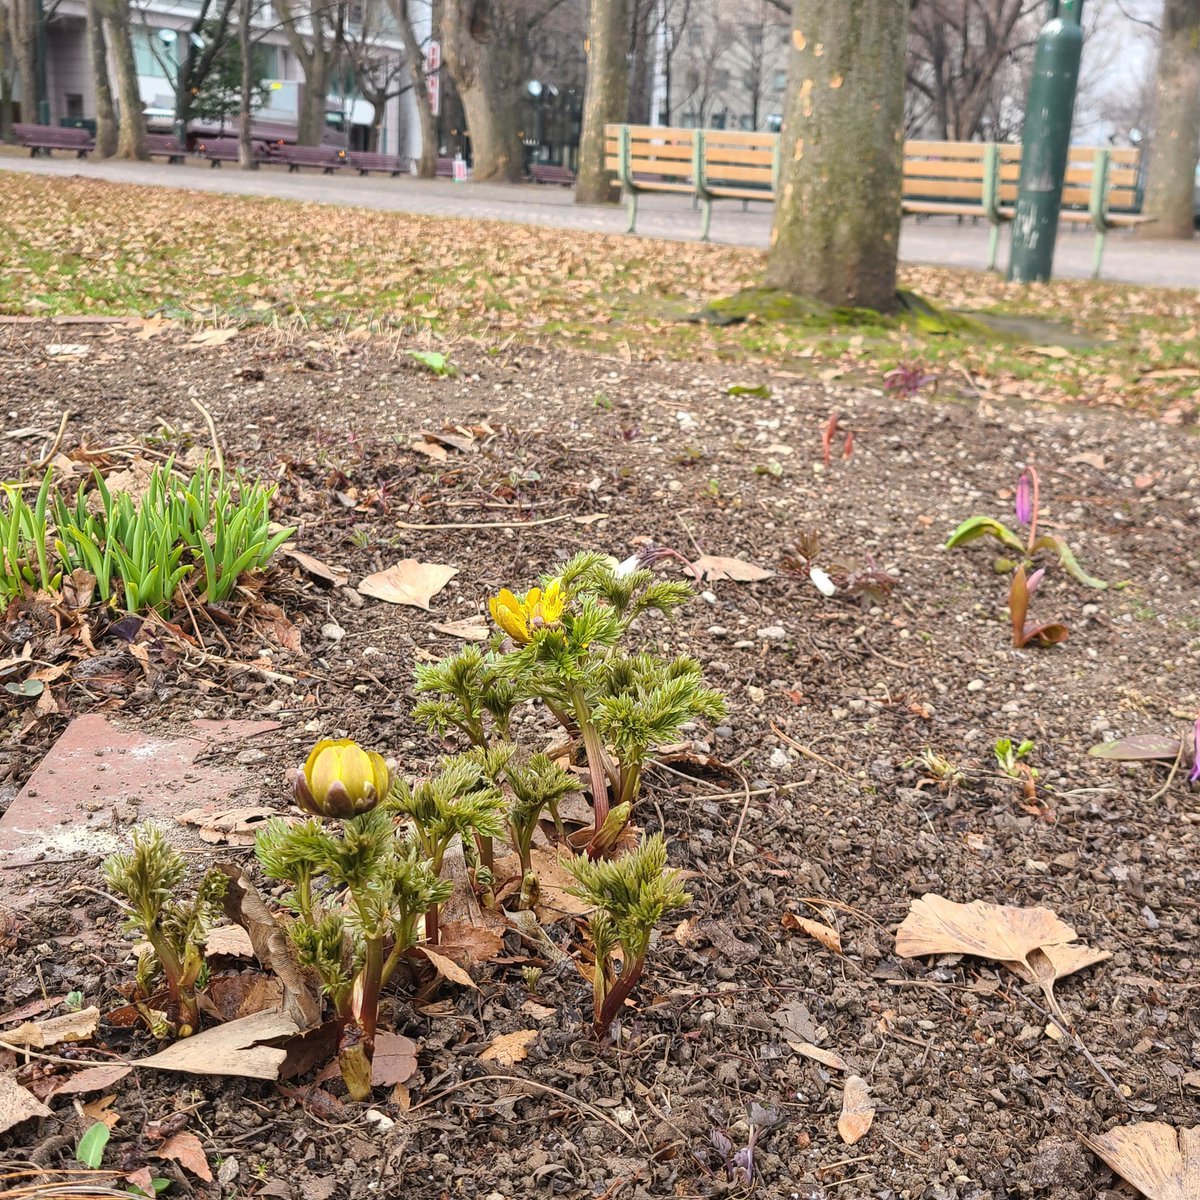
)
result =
(779, 758)
(332, 632)
(976, 685)
(772, 633)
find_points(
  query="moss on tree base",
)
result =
(774, 305)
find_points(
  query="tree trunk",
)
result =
(316, 87)
(485, 54)
(641, 78)
(131, 129)
(837, 220)
(24, 37)
(605, 98)
(6, 96)
(1170, 175)
(106, 118)
(414, 59)
(245, 113)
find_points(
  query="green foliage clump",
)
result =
(631, 895)
(209, 529)
(150, 880)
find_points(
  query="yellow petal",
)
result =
(506, 612)
(325, 769)
(382, 776)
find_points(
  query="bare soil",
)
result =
(975, 1101)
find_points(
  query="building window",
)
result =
(74, 106)
(266, 59)
(150, 56)
(780, 81)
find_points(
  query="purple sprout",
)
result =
(1194, 777)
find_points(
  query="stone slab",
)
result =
(99, 779)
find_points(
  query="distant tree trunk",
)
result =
(605, 97)
(245, 100)
(642, 50)
(485, 51)
(837, 221)
(1171, 173)
(316, 59)
(6, 96)
(23, 32)
(106, 118)
(414, 58)
(131, 129)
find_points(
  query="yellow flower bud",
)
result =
(341, 779)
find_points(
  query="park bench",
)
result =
(735, 166)
(220, 150)
(549, 173)
(960, 179)
(43, 139)
(1101, 190)
(165, 145)
(326, 158)
(649, 158)
(364, 163)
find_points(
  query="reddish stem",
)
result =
(1033, 475)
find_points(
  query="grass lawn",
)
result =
(83, 246)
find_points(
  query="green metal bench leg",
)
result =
(993, 246)
(706, 220)
(633, 198)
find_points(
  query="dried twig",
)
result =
(737, 833)
(54, 445)
(212, 432)
(811, 753)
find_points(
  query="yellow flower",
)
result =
(341, 779)
(521, 618)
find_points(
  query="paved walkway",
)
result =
(940, 242)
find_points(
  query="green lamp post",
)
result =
(1046, 142)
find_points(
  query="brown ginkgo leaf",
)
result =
(408, 582)
(1161, 1162)
(1031, 942)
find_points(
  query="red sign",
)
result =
(433, 57)
(434, 84)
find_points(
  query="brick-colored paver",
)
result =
(98, 779)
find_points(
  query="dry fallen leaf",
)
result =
(1161, 1162)
(333, 576)
(510, 1048)
(1031, 942)
(857, 1110)
(272, 948)
(825, 934)
(92, 1079)
(17, 1105)
(477, 943)
(185, 1149)
(102, 1110)
(447, 968)
(228, 826)
(473, 629)
(240, 993)
(394, 1061)
(233, 1049)
(70, 1027)
(408, 582)
(715, 568)
(230, 940)
(213, 337)
(829, 1058)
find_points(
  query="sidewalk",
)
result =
(940, 242)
